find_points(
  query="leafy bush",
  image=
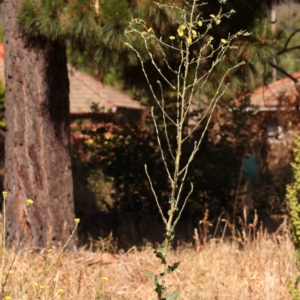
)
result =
(114, 155)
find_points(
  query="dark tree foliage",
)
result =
(97, 34)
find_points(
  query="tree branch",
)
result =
(287, 42)
(283, 72)
(288, 49)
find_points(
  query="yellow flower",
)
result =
(7, 298)
(172, 37)
(29, 202)
(189, 40)
(200, 23)
(223, 41)
(108, 135)
(4, 193)
(89, 142)
(180, 31)
(194, 33)
(150, 29)
(182, 27)
(60, 291)
(216, 19)
(49, 250)
(11, 272)
(42, 287)
(104, 278)
(77, 220)
(35, 284)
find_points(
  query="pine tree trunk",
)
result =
(37, 156)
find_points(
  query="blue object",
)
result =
(250, 168)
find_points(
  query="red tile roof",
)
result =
(280, 93)
(86, 90)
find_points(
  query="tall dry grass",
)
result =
(219, 270)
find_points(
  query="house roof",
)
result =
(86, 90)
(279, 94)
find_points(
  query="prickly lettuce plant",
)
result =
(194, 47)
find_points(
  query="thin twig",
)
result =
(160, 147)
(155, 196)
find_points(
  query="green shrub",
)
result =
(293, 195)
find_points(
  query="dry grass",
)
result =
(218, 271)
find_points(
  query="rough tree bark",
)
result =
(37, 156)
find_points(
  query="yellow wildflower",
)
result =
(29, 202)
(104, 278)
(7, 298)
(108, 135)
(35, 284)
(60, 291)
(4, 193)
(89, 142)
(189, 40)
(42, 287)
(11, 272)
(77, 220)
(200, 23)
(194, 33)
(223, 41)
(172, 37)
(182, 27)
(150, 29)
(216, 19)
(49, 250)
(180, 31)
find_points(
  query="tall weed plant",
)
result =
(194, 47)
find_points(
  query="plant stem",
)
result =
(179, 126)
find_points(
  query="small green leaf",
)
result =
(170, 269)
(297, 282)
(171, 296)
(150, 274)
(174, 266)
(159, 288)
(161, 257)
